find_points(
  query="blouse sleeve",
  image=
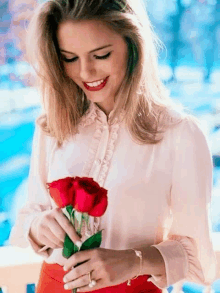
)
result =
(38, 200)
(188, 250)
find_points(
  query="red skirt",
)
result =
(51, 281)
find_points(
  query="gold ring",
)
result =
(92, 283)
(90, 277)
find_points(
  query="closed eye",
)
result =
(75, 58)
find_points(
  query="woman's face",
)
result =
(78, 42)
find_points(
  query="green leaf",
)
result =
(92, 242)
(69, 248)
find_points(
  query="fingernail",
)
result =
(64, 268)
(78, 243)
(66, 286)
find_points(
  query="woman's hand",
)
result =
(50, 229)
(108, 268)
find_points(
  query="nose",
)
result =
(87, 70)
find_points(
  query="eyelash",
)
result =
(97, 57)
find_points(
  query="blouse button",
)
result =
(98, 162)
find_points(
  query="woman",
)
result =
(108, 116)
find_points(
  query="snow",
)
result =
(14, 100)
(8, 121)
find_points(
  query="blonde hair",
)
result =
(148, 107)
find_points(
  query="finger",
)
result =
(48, 242)
(78, 271)
(82, 281)
(51, 237)
(99, 285)
(78, 257)
(68, 227)
(57, 231)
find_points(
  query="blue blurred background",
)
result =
(189, 66)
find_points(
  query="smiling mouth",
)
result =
(96, 87)
(94, 83)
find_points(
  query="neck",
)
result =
(106, 110)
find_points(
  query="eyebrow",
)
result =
(91, 50)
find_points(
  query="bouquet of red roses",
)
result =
(79, 198)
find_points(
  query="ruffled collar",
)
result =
(95, 113)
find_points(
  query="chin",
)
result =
(95, 99)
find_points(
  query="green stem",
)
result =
(72, 214)
(81, 225)
(72, 217)
(79, 228)
(87, 219)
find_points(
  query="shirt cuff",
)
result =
(181, 263)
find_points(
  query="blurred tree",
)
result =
(21, 13)
(210, 51)
(5, 19)
(199, 29)
(176, 44)
(4, 16)
(190, 30)
(15, 16)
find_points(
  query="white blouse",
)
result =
(158, 194)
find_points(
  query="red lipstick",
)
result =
(96, 88)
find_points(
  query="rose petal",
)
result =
(84, 201)
(62, 191)
(100, 206)
(86, 191)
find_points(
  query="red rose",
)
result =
(62, 191)
(90, 197)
